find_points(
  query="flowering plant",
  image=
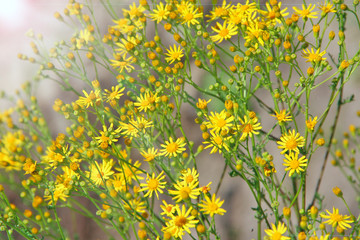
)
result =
(246, 73)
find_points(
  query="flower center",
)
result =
(276, 236)
(336, 217)
(224, 32)
(189, 17)
(218, 140)
(185, 192)
(294, 164)
(172, 147)
(247, 128)
(291, 144)
(153, 184)
(180, 221)
(213, 207)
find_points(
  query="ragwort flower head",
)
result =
(282, 116)
(276, 233)
(294, 163)
(248, 127)
(291, 142)
(219, 122)
(306, 12)
(174, 54)
(171, 148)
(160, 13)
(212, 206)
(337, 220)
(100, 172)
(153, 184)
(184, 191)
(217, 142)
(189, 13)
(312, 56)
(224, 32)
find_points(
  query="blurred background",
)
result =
(17, 17)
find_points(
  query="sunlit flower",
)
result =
(306, 12)
(312, 56)
(121, 62)
(248, 127)
(217, 142)
(291, 142)
(294, 163)
(171, 148)
(327, 7)
(174, 54)
(310, 123)
(336, 219)
(271, 15)
(219, 122)
(89, 99)
(282, 116)
(130, 171)
(276, 233)
(220, 11)
(189, 175)
(100, 172)
(185, 191)
(160, 13)
(189, 14)
(168, 209)
(114, 94)
(146, 101)
(134, 11)
(212, 206)
(150, 154)
(224, 32)
(153, 184)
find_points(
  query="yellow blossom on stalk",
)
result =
(135, 205)
(99, 173)
(59, 192)
(121, 62)
(107, 137)
(310, 123)
(291, 142)
(29, 166)
(146, 101)
(153, 184)
(135, 126)
(248, 127)
(74, 10)
(270, 14)
(202, 103)
(282, 116)
(126, 45)
(312, 56)
(90, 99)
(326, 7)
(219, 122)
(174, 54)
(294, 163)
(306, 12)
(189, 175)
(220, 11)
(225, 31)
(189, 13)
(119, 183)
(181, 221)
(127, 26)
(150, 154)
(184, 190)
(337, 220)
(160, 13)
(217, 142)
(254, 32)
(242, 13)
(277, 232)
(130, 171)
(168, 209)
(114, 94)
(84, 36)
(134, 11)
(171, 148)
(212, 206)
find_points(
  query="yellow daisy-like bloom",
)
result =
(271, 16)
(248, 127)
(217, 142)
(291, 142)
(147, 101)
(327, 7)
(153, 184)
(150, 154)
(160, 13)
(212, 206)
(89, 99)
(126, 45)
(168, 209)
(107, 136)
(202, 103)
(135, 205)
(174, 54)
(219, 11)
(121, 62)
(294, 163)
(60, 192)
(310, 123)
(254, 32)
(306, 11)
(134, 11)
(276, 233)
(282, 116)
(135, 126)
(114, 94)
(185, 191)
(189, 14)
(181, 221)
(219, 122)
(336, 219)
(171, 148)
(322, 237)
(119, 183)
(130, 171)
(189, 175)
(99, 173)
(225, 31)
(312, 56)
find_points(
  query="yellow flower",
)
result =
(107, 136)
(254, 32)
(174, 54)
(219, 122)
(291, 142)
(306, 11)
(135, 205)
(276, 233)
(135, 126)
(126, 45)
(282, 116)
(153, 184)
(189, 14)
(294, 163)
(99, 173)
(150, 154)
(114, 94)
(119, 183)
(312, 56)
(29, 166)
(217, 142)
(189, 175)
(181, 221)
(160, 13)
(147, 101)
(185, 191)
(171, 148)
(212, 206)
(248, 127)
(336, 219)
(89, 99)
(327, 7)
(225, 31)
(130, 171)
(202, 103)
(219, 11)
(271, 15)
(310, 123)
(60, 192)
(134, 11)
(168, 209)
(121, 62)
